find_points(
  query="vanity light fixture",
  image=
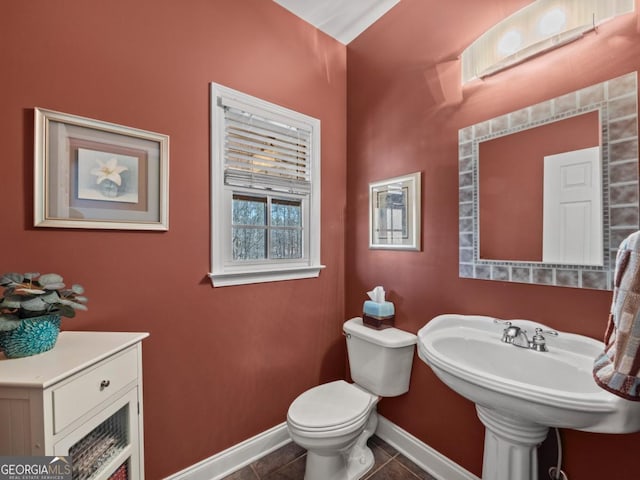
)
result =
(542, 26)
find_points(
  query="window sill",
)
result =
(244, 277)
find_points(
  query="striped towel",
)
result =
(618, 368)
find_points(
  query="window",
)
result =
(265, 191)
(266, 228)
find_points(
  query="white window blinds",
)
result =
(265, 153)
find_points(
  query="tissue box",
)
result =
(378, 315)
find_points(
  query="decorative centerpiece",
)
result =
(30, 311)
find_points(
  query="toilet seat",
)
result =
(332, 406)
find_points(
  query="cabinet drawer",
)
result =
(81, 394)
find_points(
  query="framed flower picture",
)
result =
(394, 213)
(94, 174)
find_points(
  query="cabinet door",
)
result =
(21, 422)
(100, 447)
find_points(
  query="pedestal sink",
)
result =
(519, 392)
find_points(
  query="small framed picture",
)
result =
(94, 174)
(394, 213)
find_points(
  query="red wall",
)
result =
(221, 365)
(405, 109)
(506, 201)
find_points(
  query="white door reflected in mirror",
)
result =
(572, 216)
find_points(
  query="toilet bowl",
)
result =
(328, 421)
(333, 421)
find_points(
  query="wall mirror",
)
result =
(519, 175)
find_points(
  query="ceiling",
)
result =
(343, 20)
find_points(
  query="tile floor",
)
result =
(287, 463)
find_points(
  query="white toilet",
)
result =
(333, 421)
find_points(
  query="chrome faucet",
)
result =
(518, 337)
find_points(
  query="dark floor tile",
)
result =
(392, 470)
(288, 463)
(277, 459)
(415, 469)
(380, 457)
(291, 471)
(375, 440)
(245, 474)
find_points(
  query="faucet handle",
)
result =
(506, 323)
(540, 331)
(538, 342)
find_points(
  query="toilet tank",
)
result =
(380, 360)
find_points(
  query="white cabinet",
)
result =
(83, 399)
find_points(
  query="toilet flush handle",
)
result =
(348, 335)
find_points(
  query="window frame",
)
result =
(225, 271)
(268, 227)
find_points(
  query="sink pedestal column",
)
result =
(510, 446)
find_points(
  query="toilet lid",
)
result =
(329, 405)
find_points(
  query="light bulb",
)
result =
(510, 42)
(552, 22)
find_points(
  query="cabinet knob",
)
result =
(104, 384)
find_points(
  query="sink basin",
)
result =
(520, 392)
(554, 388)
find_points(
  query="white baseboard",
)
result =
(420, 453)
(234, 458)
(228, 461)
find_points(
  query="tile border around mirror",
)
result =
(616, 99)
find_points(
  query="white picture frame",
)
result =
(395, 213)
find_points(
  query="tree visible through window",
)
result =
(266, 228)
